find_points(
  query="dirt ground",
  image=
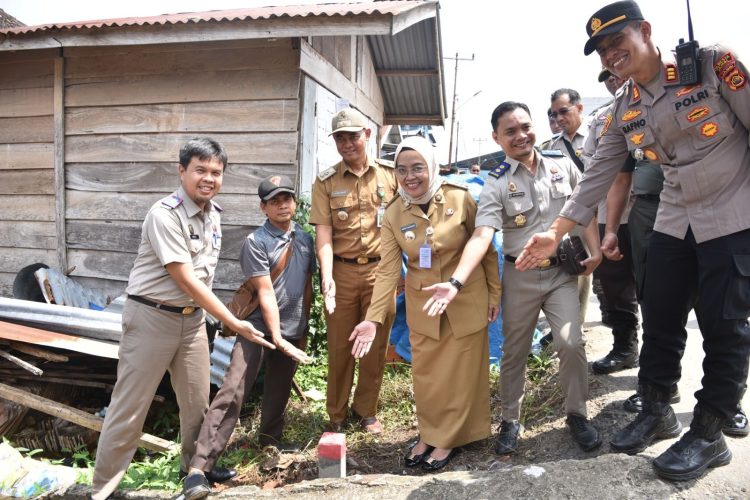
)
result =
(545, 439)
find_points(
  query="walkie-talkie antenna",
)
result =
(690, 22)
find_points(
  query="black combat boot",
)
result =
(656, 421)
(624, 353)
(701, 447)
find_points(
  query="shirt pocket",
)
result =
(705, 125)
(515, 204)
(644, 139)
(560, 187)
(343, 211)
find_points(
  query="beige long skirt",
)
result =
(451, 387)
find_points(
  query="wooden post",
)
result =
(59, 159)
(74, 415)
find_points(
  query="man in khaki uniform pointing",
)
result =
(348, 204)
(163, 323)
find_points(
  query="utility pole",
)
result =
(453, 112)
(458, 127)
(480, 140)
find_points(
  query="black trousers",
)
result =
(714, 278)
(641, 227)
(247, 358)
(617, 297)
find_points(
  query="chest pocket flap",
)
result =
(516, 196)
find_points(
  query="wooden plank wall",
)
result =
(128, 110)
(27, 188)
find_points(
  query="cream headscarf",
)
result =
(427, 151)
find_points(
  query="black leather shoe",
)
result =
(195, 487)
(737, 425)
(634, 404)
(216, 475)
(615, 361)
(507, 440)
(546, 340)
(583, 432)
(430, 464)
(414, 460)
(701, 448)
(656, 421)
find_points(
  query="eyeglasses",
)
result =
(344, 137)
(416, 170)
(561, 112)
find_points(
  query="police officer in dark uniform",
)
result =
(699, 253)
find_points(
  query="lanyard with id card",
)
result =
(425, 250)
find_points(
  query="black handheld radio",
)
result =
(688, 61)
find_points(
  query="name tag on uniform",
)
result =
(194, 237)
(516, 195)
(336, 194)
(379, 216)
(425, 256)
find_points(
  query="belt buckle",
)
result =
(545, 263)
(362, 260)
(188, 310)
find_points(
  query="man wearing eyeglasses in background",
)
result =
(567, 110)
(348, 204)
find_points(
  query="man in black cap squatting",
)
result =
(699, 253)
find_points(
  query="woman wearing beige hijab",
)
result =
(430, 222)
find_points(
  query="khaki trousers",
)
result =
(247, 358)
(153, 341)
(556, 293)
(354, 283)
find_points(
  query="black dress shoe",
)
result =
(414, 460)
(216, 475)
(615, 361)
(195, 487)
(583, 432)
(737, 425)
(699, 449)
(431, 464)
(634, 404)
(507, 440)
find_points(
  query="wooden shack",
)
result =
(92, 116)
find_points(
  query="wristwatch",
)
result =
(453, 281)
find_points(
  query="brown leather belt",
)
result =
(359, 260)
(173, 309)
(548, 262)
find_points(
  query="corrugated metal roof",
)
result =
(404, 41)
(320, 10)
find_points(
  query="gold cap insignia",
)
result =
(595, 23)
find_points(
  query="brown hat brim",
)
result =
(347, 129)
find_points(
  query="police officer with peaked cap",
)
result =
(348, 204)
(699, 253)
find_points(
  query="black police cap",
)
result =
(610, 19)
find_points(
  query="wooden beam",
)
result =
(37, 336)
(370, 24)
(37, 352)
(326, 74)
(59, 161)
(406, 72)
(413, 120)
(23, 364)
(74, 415)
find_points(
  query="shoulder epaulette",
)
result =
(397, 196)
(172, 201)
(552, 153)
(498, 171)
(385, 163)
(325, 174)
(671, 77)
(460, 185)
